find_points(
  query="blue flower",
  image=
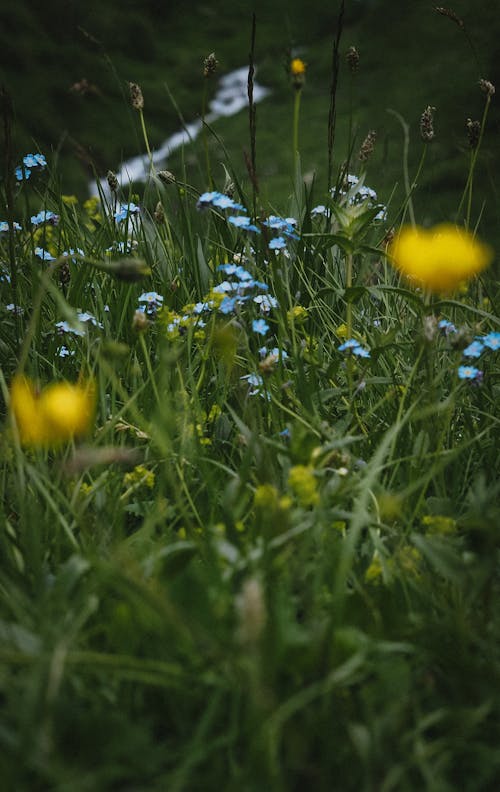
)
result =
(257, 382)
(240, 221)
(44, 217)
(65, 327)
(285, 225)
(219, 200)
(125, 211)
(235, 269)
(22, 173)
(227, 305)
(320, 210)
(260, 326)
(151, 298)
(4, 227)
(470, 373)
(353, 347)
(266, 302)
(15, 309)
(275, 352)
(473, 350)
(351, 343)
(278, 243)
(35, 161)
(492, 341)
(43, 254)
(30, 161)
(446, 327)
(88, 318)
(360, 352)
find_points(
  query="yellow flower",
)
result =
(54, 415)
(297, 67)
(438, 259)
(302, 481)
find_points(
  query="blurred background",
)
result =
(67, 66)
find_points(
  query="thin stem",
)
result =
(470, 178)
(296, 114)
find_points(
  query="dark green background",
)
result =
(410, 57)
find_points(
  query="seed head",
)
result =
(367, 146)
(210, 65)
(166, 177)
(136, 96)
(112, 181)
(251, 609)
(352, 58)
(487, 87)
(159, 213)
(447, 12)
(427, 124)
(140, 322)
(473, 132)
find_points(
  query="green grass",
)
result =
(273, 583)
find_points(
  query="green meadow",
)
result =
(248, 437)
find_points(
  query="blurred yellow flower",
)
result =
(54, 415)
(438, 259)
(297, 67)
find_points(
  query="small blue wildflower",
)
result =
(243, 222)
(151, 298)
(320, 210)
(65, 352)
(257, 382)
(14, 309)
(4, 276)
(34, 161)
(222, 201)
(492, 341)
(351, 343)
(227, 305)
(125, 211)
(44, 217)
(30, 161)
(278, 243)
(285, 225)
(88, 318)
(266, 302)
(354, 347)
(285, 433)
(72, 252)
(43, 254)
(4, 227)
(200, 307)
(260, 285)
(446, 327)
(275, 352)
(381, 215)
(22, 173)
(470, 373)
(360, 351)
(473, 350)
(65, 327)
(260, 326)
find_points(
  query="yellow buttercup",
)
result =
(438, 259)
(54, 415)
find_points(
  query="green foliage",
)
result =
(263, 569)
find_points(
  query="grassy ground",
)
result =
(236, 554)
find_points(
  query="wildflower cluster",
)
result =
(30, 163)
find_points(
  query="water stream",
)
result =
(231, 97)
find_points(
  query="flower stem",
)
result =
(296, 114)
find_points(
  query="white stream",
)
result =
(230, 98)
